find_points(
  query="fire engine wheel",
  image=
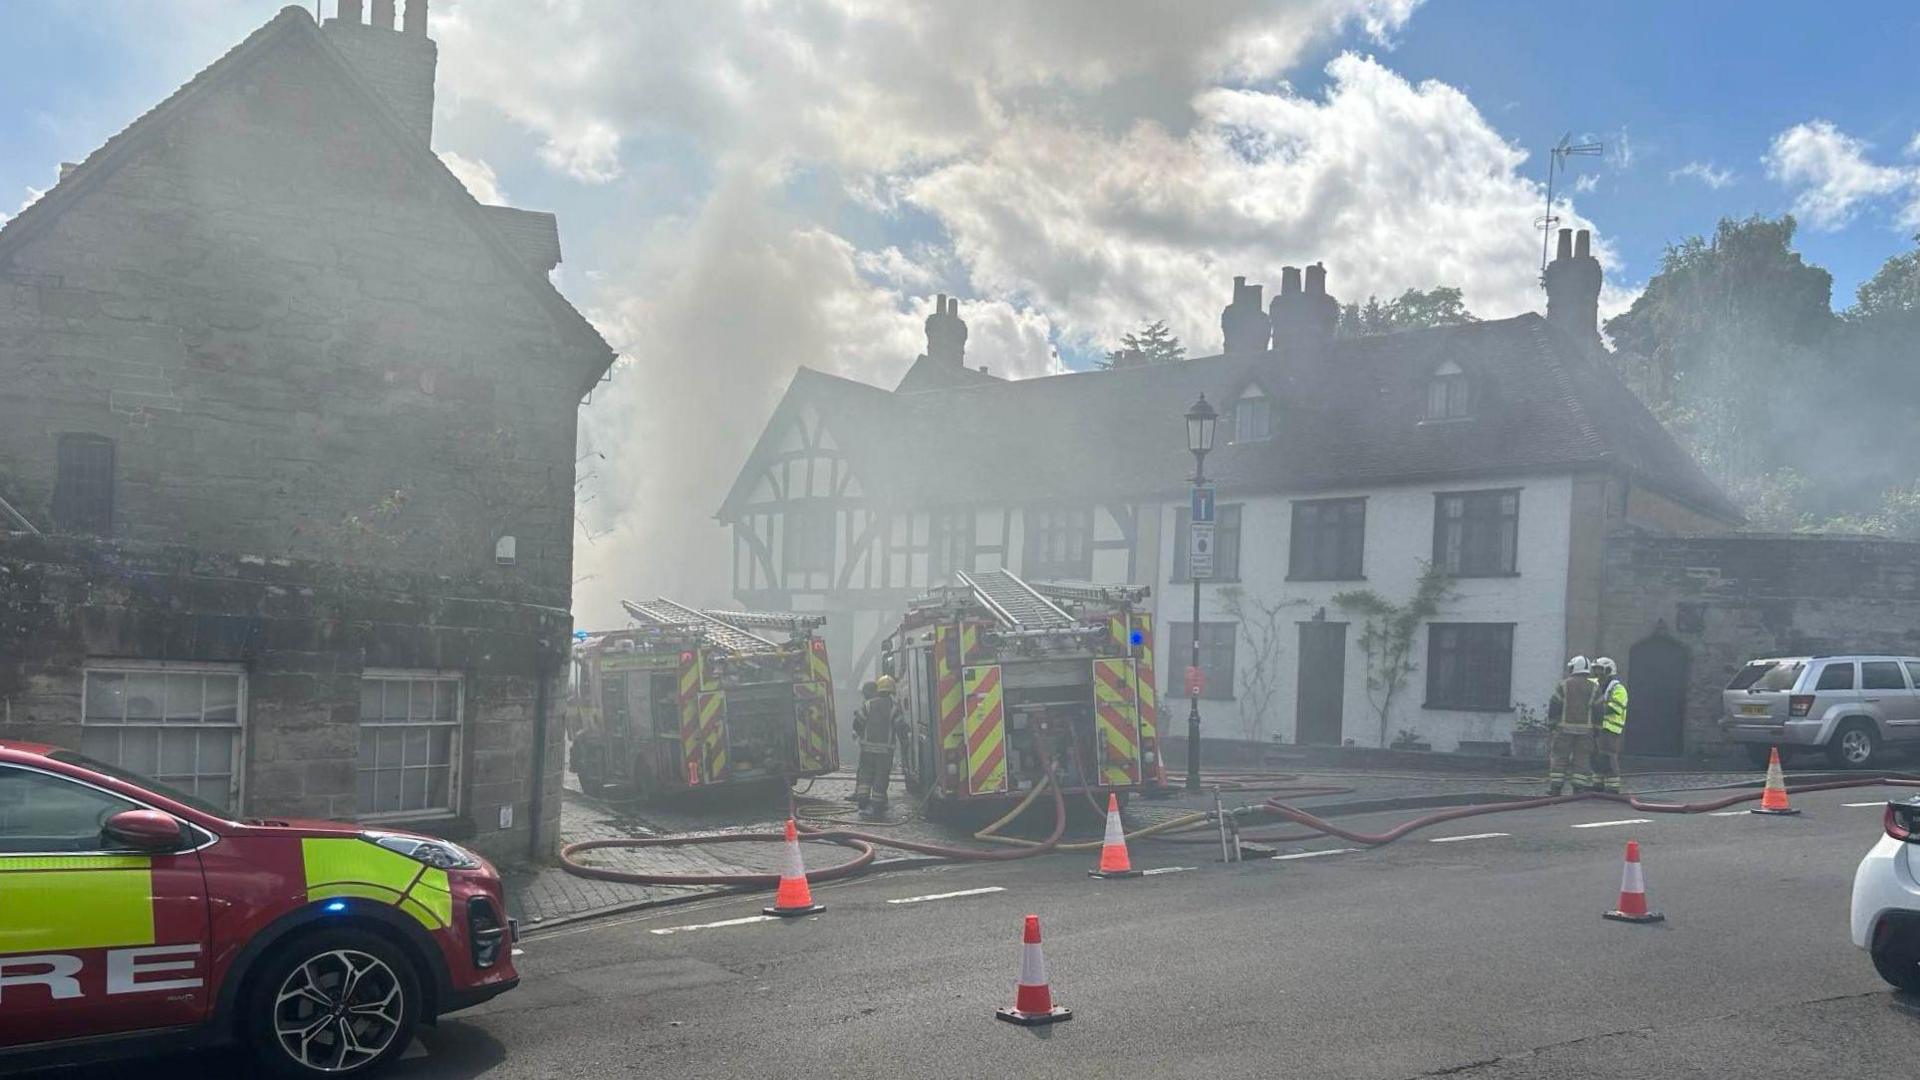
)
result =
(339, 1002)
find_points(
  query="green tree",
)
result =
(1892, 293)
(1153, 344)
(1441, 305)
(1386, 636)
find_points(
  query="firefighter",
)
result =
(877, 723)
(1609, 724)
(867, 690)
(1570, 720)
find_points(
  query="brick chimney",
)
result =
(398, 62)
(946, 334)
(1573, 286)
(1243, 324)
(1304, 316)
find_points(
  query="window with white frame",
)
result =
(177, 723)
(409, 744)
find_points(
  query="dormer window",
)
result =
(1252, 416)
(1449, 394)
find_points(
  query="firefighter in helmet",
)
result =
(1570, 722)
(1609, 724)
(867, 690)
(874, 725)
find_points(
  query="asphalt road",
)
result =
(1475, 958)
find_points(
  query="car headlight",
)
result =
(438, 854)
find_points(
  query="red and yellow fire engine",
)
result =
(999, 676)
(688, 699)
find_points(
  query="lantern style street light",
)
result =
(1201, 420)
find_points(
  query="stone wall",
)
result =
(303, 632)
(301, 337)
(1731, 598)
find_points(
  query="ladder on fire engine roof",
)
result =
(665, 613)
(793, 622)
(1014, 602)
(1084, 592)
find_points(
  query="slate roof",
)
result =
(294, 23)
(1349, 416)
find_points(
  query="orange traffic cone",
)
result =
(794, 898)
(1633, 892)
(1773, 800)
(1113, 849)
(1032, 999)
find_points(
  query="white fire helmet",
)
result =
(1579, 666)
(1604, 665)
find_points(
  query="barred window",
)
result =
(950, 542)
(1059, 543)
(409, 744)
(83, 484)
(179, 724)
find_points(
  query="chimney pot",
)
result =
(1316, 280)
(383, 14)
(1564, 250)
(1289, 280)
(1582, 244)
(350, 12)
(416, 18)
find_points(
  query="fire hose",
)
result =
(1273, 806)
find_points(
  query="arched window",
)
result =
(1252, 416)
(1449, 393)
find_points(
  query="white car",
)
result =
(1886, 898)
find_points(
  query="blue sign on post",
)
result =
(1203, 503)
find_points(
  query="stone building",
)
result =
(287, 450)
(1503, 452)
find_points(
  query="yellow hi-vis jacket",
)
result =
(1610, 711)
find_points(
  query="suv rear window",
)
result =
(1767, 675)
(1837, 677)
(1881, 675)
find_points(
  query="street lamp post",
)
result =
(1200, 423)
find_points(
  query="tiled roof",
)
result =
(1351, 415)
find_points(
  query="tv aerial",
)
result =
(1556, 164)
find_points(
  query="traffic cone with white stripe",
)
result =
(1113, 848)
(794, 898)
(1633, 892)
(1773, 800)
(1032, 998)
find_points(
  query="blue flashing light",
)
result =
(580, 635)
(1137, 637)
(335, 906)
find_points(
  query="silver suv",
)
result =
(1853, 707)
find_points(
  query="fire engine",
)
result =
(690, 699)
(134, 918)
(999, 676)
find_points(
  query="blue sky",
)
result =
(746, 186)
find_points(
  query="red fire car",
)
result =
(132, 917)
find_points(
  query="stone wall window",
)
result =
(83, 484)
(1226, 543)
(1476, 533)
(1216, 659)
(1329, 540)
(1470, 666)
(409, 745)
(177, 724)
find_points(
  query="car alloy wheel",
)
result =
(1856, 746)
(338, 1011)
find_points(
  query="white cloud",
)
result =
(478, 177)
(1586, 183)
(1832, 176)
(1705, 172)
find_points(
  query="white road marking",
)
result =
(711, 925)
(1315, 854)
(1727, 813)
(1882, 802)
(1166, 870)
(1469, 836)
(1622, 821)
(947, 895)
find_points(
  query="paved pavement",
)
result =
(1474, 949)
